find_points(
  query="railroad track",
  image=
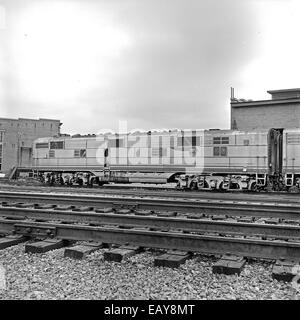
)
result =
(199, 207)
(151, 192)
(247, 229)
(256, 238)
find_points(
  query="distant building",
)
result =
(16, 140)
(282, 111)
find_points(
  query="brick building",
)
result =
(281, 111)
(16, 140)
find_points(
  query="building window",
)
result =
(41, 145)
(51, 153)
(220, 151)
(13, 145)
(57, 145)
(1, 136)
(80, 153)
(51, 125)
(221, 140)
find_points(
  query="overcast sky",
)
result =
(152, 63)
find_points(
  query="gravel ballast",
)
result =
(51, 276)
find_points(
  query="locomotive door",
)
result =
(275, 151)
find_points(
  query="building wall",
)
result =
(18, 137)
(285, 115)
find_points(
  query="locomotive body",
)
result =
(196, 159)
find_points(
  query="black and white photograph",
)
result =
(149, 152)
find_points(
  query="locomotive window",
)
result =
(220, 151)
(225, 140)
(41, 145)
(51, 153)
(80, 153)
(223, 151)
(56, 144)
(217, 140)
(221, 140)
(76, 153)
(216, 151)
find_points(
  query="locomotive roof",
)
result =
(155, 132)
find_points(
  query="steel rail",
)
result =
(179, 205)
(165, 223)
(234, 196)
(156, 239)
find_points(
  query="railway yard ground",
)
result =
(254, 231)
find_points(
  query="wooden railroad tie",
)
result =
(172, 259)
(229, 264)
(81, 251)
(45, 245)
(11, 241)
(285, 270)
(121, 253)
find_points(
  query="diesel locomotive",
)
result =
(193, 159)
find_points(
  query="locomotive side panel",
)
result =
(235, 152)
(291, 151)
